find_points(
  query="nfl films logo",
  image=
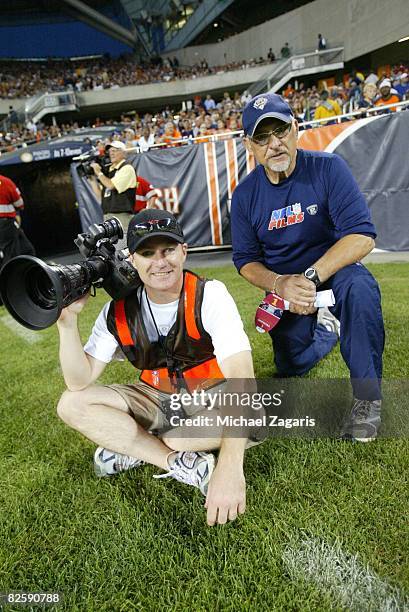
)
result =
(260, 103)
(312, 210)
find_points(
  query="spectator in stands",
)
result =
(187, 130)
(285, 51)
(130, 139)
(367, 100)
(31, 126)
(209, 103)
(402, 87)
(245, 97)
(386, 96)
(208, 122)
(327, 108)
(204, 134)
(146, 140)
(270, 55)
(12, 116)
(170, 134)
(322, 43)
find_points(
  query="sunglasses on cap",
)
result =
(163, 225)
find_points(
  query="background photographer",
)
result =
(118, 186)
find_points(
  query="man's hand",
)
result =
(96, 168)
(226, 495)
(297, 290)
(301, 310)
(69, 314)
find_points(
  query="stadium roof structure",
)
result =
(116, 26)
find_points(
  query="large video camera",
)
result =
(86, 159)
(34, 293)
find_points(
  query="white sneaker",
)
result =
(108, 463)
(191, 468)
(329, 321)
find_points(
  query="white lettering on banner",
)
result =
(168, 199)
(42, 154)
(66, 152)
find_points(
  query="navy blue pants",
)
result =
(299, 342)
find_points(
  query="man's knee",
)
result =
(172, 442)
(359, 285)
(71, 407)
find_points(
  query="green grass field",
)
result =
(133, 543)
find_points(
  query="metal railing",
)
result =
(297, 64)
(357, 114)
(313, 123)
(45, 103)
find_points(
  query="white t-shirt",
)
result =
(220, 319)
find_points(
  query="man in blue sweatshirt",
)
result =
(299, 222)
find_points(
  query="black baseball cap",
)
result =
(150, 223)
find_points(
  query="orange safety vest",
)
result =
(186, 359)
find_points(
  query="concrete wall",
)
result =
(361, 26)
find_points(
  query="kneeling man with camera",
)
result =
(175, 327)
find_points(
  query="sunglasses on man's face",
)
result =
(164, 225)
(264, 138)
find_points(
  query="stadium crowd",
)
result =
(18, 80)
(357, 92)
(203, 117)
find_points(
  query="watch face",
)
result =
(310, 273)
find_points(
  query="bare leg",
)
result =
(102, 416)
(194, 438)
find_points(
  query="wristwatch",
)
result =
(312, 275)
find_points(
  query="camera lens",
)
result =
(40, 289)
(112, 228)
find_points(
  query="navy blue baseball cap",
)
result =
(262, 106)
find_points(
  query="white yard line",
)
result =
(341, 575)
(25, 334)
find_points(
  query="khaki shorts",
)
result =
(150, 409)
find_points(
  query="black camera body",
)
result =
(86, 159)
(34, 293)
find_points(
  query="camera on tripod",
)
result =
(86, 159)
(34, 293)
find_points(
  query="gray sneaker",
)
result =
(329, 321)
(191, 468)
(364, 421)
(108, 463)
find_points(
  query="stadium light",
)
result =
(403, 39)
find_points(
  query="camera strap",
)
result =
(174, 372)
